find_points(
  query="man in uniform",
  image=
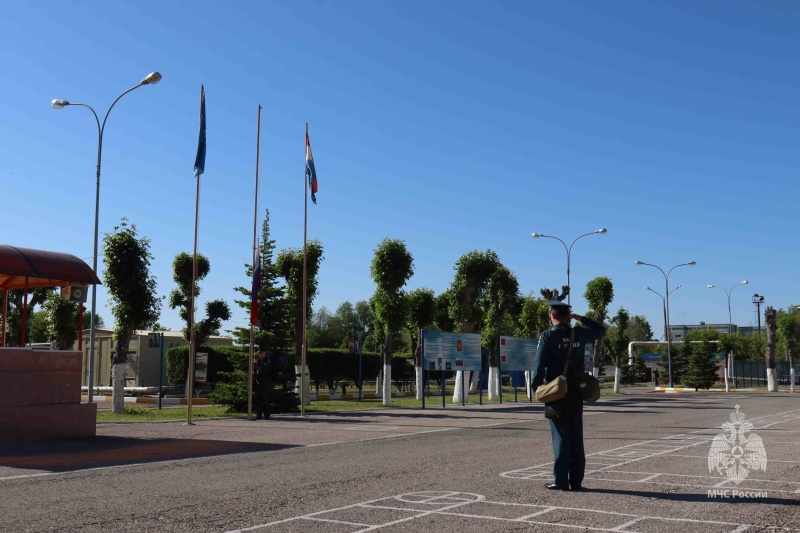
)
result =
(262, 383)
(566, 414)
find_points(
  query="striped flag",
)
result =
(255, 290)
(311, 172)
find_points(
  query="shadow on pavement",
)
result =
(675, 496)
(79, 454)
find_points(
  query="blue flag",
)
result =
(200, 160)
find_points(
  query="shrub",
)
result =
(177, 360)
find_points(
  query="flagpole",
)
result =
(199, 168)
(303, 353)
(254, 285)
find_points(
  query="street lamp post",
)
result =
(664, 306)
(569, 251)
(666, 298)
(150, 79)
(730, 322)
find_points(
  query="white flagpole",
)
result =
(305, 233)
(255, 252)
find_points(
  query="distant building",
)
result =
(143, 359)
(677, 333)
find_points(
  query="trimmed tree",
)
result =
(290, 267)
(617, 343)
(391, 268)
(789, 334)
(421, 314)
(15, 310)
(467, 306)
(771, 322)
(132, 292)
(599, 293)
(216, 310)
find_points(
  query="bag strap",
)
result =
(568, 351)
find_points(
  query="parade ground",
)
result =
(656, 462)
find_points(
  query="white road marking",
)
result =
(448, 504)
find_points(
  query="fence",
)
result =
(754, 373)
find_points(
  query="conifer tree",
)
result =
(701, 372)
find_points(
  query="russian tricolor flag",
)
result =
(255, 290)
(311, 172)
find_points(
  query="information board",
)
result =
(200, 367)
(446, 350)
(517, 353)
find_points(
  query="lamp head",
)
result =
(601, 230)
(151, 79)
(710, 286)
(745, 282)
(537, 235)
(639, 262)
(692, 263)
(60, 104)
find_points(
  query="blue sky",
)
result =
(454, 126)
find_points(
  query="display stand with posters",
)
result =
(450, 351)
(517, 353)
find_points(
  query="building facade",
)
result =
(144, 358)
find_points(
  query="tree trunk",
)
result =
(118, 363)
(617, 374)
(791, 371)
(494, 383)
(458, 390)
(387, 370)
(419, 379)
(772, 327)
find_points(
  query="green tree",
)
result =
(701, 372)
(634, 372)
(616, 343)
(534, 316)
(62, 321)
(15, 312)
(599, 293)
(290, 267)
(639, 329)
(789, 335)
(391, 268)
(181, 297)
(132, 292)
(274, 327)
(771, 322)
(421, 315)
(37, 327)
(468, 299)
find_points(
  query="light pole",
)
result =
(666, 299)
(150, 79)
(758, 300)
(569, 250)
(730, 321)
(664, 306)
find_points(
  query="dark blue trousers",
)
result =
(570, 460)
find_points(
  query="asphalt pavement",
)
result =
(654, 463)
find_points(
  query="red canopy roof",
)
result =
(42, 269)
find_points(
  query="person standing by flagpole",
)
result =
(199, 168)
(256, 288)
(309, 181)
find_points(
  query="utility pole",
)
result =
(758, 300)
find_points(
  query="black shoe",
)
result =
(553, 486)
(576, 487)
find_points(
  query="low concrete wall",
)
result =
(40, 395)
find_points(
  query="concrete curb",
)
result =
(149, 400)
